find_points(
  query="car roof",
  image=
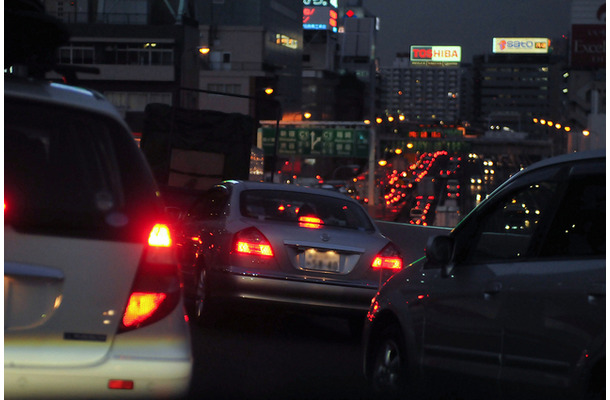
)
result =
(60, 94)
(254, 185)
(569, 158)
(561, 159)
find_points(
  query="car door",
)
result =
(464, 312)
(555, 317)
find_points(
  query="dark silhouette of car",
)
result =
(509, 305)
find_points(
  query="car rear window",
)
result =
(287, 206)
(74, 173)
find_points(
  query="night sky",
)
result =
(468, 23)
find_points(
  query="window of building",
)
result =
(284, 40)
(77, 55)
(117, 53)
(229, 88)
(137, 101)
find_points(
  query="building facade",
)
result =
(586, 76)
(149, 52)
(252, 45)
(511, 90)
(421, 94)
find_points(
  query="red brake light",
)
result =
(160, 236)
(141, 306)
(310, 222)
(155, 292)
(251, 241)
(388, 258)
(120, 384)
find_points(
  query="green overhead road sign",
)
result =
(317, 142)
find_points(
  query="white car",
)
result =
(93, 303)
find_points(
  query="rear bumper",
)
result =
(330, 294)
(171, 382)
(158, 359)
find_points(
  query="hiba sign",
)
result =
(521, 45)
(436, 55)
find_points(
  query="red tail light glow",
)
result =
(252, 242)
(120, 384)
(141, 306)
(155, 292)
(310, 222)
(388, 258)
(160, 236)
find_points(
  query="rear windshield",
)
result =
(73, 173)
(280, 205)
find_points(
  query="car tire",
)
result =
(202, 308)
(389, 365)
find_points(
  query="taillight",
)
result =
(251, 241)
(310, 222)
(160, 236)
(388, 258)
(155, 292)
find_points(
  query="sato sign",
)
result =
(436, 55)
(521, 45)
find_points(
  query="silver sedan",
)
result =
(284, 244)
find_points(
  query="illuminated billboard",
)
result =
(324, 3)
(320, 15)
(436, 55)
(521, 45)
(588, 46)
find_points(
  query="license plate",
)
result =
(321, 260)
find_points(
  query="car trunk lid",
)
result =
(50, 306)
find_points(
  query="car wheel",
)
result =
(389, 372)
(202, 304)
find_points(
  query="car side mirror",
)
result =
(439, 252)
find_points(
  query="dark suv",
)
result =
(511, 304)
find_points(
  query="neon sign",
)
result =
(320, 18)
